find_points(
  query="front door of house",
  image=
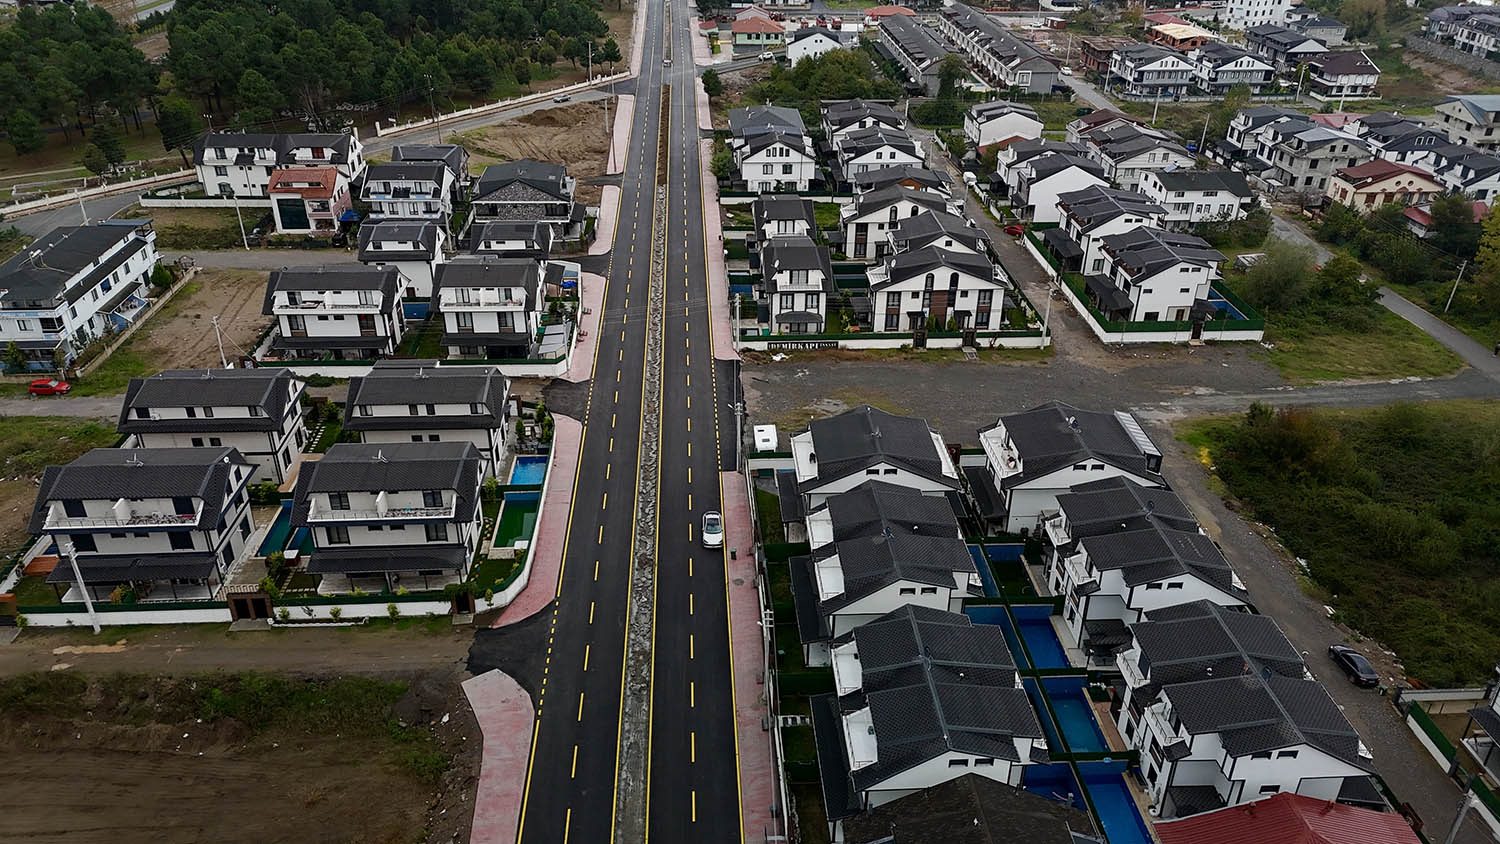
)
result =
(367, 325)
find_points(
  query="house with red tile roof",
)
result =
(1373, 184)
(757, 33)
(1288, 819)
(308, 199)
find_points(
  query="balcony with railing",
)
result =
(1004, 459)
(484, 299)
(124, 514)
(319, 512)
(300, 305)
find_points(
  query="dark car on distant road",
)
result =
(1354, 665)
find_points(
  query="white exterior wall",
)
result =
(335, 314)
(273, 453)
(836, 136)
(1127, 173)
(879, 159)
(430, 201)
(809, 297)
(1186, 208)
(939, 770)
(489, 441)
(1091, 242)
(877, 226)
(790, 168)
(247, 181)
(1000, 128)
(83, 314)
(810, 47)
(890, 598)
(1243, 14)
(910, 292)
(1042, 196)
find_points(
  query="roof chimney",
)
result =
(380, 456)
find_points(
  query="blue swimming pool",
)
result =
(1070, 702)
(528, 470)
(279, 533)
(1055, 782)
(1117, 811)
(1035, 627)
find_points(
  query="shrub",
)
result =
(265, 492)
(336, 613)
(268, 586)
(392, 610)
(284, 614)
(276, 566)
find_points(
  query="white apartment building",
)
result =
(1190, 197)
(921, 697)
(1243, 14)
(347, 312)
(416, 248)
(797, 278)
(866, 222)
(841, 452)
(257, 412)
(388, 516)
(74, 284)
(417, 401)
(239, 164)
(1091, 214)
(492, 307)
(932, 285)
(1224, 712)
(167, 524)
(409, 190)
(1154, 275)
(1032, 457)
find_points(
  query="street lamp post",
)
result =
(229, 192)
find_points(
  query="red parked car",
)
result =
(49, 387)
(1015, 229)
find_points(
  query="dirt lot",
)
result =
(27, 446)
(573, 135)
(238, 759)
(186, 340)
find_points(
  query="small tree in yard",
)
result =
(722, 164)
(712, 84)
(108, 141)
(93, 160)
(610, 54)
(15, 359)
(393, 611)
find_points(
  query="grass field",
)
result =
(1313, 352)
(1395, 509)
(29, 444)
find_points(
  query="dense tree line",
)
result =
(256, 61)
(68, 67)
(1397, 512)
(835, 75)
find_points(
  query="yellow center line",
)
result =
(692, 748)
(690, 501)
(690, 449)
(606, 471)
(601, 534)
(695, 813)
(580, 707)
(611, 420)
(604, 505)
(692, 694)
(574, 773)
(568, 822)
(690, 423)
(690, 566)
(611, 444)
(690, 474)
(689, 402)
(591, 612)
(586, 657)
(692, 653)
(617, 396)
(596, 569)
(690, 606)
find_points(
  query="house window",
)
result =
(872, 471)
(788, 301)
(182, 541)
(984, 763)
(338, 535)
(1270, 789)
(1152, 586)
(786, 169)
(411, 410)
(958, 763)
(197, 442)
(437, 533)
(83, 542)
(929, 590)
(767, 169)
(888, 471)
(215, 441)
(908, 590)
(1286, 754)
(338, 501)
(1175, 585)
(432, 498)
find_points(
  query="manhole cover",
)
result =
(739, 581)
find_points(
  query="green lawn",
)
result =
(331, 433)
(826, 215)
(1056, 114)
(491, 573)
(425, 341)
(34, 591)
(812, 820)
(1394, 508)
(29, 444)
(768, 505)
(12, 241)
(1310, 352)
(738, 216)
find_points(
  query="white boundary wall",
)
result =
(598, 81)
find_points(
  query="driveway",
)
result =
(1090, 94)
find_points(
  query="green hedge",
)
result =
(818, 681)
(106, 607)
(781, 552)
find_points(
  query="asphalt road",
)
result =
(573, 781)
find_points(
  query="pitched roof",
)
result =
(406, 171)
(915, 40)
(423, 233)
(268, 389)
(1254, 713)
(809, 31)
(1218, 54)
(750, 120)
(1101, 116)
(843, 113)
(1053, 435)
(1202, 640)
(884, 177)
(334, 277)
(755, 24)
(934, 683)
(905, 265)
(306, 182)
(336, 145)
(1158, 550)
(536, 236)
(1288, 818)
(454, 156)
(875, 201)
(1096, 205)
(999, 108)
(40, 271)
(1341, 64)
(971, 809)
(490, 271)
(550, 179)
(770, 207)
(861, 141)
(112, 473)
(1372, 172)
(863, 437)
(1482, 107)
(392, 467)
(794, 252)
(1184, 179)
(1119, 503)
(930, 227)
(419, 382)
(1050, 165)
(876, 508)
(1146, 251)
(887, 11)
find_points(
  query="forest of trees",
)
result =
(249, 64)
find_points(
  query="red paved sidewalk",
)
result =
(757, 780)
(546, 550)
(591, 297)
(506, 718)
(713, 247)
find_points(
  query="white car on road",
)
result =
(713, 530)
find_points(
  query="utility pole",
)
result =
(88, 602)
(1157, 107)
(233, 197)
(435, 115)
(82, 207)
(219, 338)
(588, 73)
(1451, 293)
(1458, 822)
(1203, 139)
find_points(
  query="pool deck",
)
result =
(546, 552)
